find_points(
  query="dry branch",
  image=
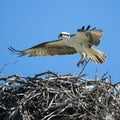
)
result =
(49, 96)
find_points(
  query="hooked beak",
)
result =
(59, 35)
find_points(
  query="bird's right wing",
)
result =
(56, 47)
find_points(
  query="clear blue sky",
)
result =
(25, 23)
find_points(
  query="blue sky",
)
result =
(25, 23)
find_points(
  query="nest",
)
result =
(49, 96)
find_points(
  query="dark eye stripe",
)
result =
(66, 34)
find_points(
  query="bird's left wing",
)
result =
(93, 35)
(56, 47)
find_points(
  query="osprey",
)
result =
(81, 43)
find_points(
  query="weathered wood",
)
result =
(49, 96)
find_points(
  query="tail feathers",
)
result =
(96, 56)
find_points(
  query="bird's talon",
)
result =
(83, 62)
(80, 62)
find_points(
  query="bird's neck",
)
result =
(68, 41)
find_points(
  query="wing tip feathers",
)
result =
(17, 52)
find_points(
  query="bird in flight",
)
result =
(82, 42)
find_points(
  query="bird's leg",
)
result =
(84, 67)
(81, 61)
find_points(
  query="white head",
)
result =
(65, 35)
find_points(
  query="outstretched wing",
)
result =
(93, 36)
(56, 47)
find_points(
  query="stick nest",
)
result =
(49, 96)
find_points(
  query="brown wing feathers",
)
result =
(93, 35)
(57, 47)
(18, 52)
